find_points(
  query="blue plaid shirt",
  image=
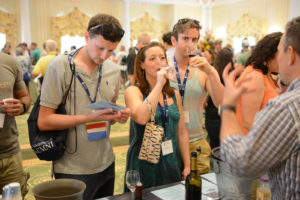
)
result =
(272, 145)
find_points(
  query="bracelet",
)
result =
(225, 107)
(148, 102)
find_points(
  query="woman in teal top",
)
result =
(152, 90)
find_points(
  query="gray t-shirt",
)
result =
(11, 79)
(91, 156)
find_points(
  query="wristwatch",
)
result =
(24, 107)
(225, 107)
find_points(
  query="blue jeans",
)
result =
(97, 185)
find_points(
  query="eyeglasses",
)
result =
(108, 31)
(186, 20)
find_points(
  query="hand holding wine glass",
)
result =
(132, 177)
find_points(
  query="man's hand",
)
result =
(232, 92)
(13, 107)
(202, 64)
(108, 115)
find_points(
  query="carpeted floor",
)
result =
(40, 171)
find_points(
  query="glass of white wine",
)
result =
(170, 70)
(132, 177)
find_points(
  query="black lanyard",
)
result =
(181, 86)
(82, 82)
(165, 115)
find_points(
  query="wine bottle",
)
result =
(193, 183)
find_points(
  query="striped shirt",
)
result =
(272, 145)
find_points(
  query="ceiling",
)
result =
(185, 2)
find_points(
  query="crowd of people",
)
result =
(256, 92)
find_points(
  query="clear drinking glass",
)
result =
(170, 70)
(132, 177)
(192, 51)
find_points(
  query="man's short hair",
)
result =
(19, 51)
(167, 38)
(51, 45)
(218, 41)
(107, 26)
(34, 44)
(292, 31)
(183, 24)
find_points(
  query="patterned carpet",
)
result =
(40, 171)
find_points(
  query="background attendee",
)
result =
(14, 89)
(262, 88)
(26, 50)
(121, 58)
(7, 48)
(194, 78)
(25, 65)
(73, 48)
(42, 64)
(35, 53)
(212, 118)
(153, 92)
(272, 143)
(89, 156)
(218, 45)
(245, 54)
(168, 44)
(142, 40)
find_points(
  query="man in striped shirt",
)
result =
(273, 143)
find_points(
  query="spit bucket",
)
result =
(229, 185)
(63, 189)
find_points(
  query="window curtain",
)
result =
(74, 23)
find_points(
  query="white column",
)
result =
(294, 9)
(206, 13)
(25, 21)
(126, 23)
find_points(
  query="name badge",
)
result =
(167, 147)
(186, 116)
(2, 117)
(96, 130)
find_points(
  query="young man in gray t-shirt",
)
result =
(92, 158)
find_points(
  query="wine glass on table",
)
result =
(132, 177)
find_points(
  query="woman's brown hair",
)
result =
(139, 74)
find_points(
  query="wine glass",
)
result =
(169, 69)
(132, 177)
(192, 51)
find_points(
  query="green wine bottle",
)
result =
(193, 183)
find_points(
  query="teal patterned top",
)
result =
(169, 167)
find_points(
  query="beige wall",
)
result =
(12, 6)
(271, 12)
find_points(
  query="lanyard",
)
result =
(82, 82)
(165, 115)
(181, 86)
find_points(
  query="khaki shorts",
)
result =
(11, 170)
(203, 161)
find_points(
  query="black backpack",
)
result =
(48, 145)
(124, 60)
